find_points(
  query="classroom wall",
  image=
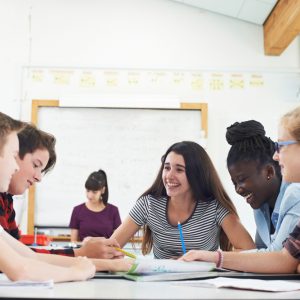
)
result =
(147, 34)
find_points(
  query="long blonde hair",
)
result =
(291, 122)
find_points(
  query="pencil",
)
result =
(181, 238)
(125, 252)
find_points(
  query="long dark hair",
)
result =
(96, 181)
(249, 142)
(203, 179)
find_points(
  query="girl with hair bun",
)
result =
(96, 217)
(257, 178)
(287, 153)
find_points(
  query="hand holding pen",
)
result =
(99, 247)
(126, 252)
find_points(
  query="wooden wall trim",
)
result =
(31, 193)
(282, 26)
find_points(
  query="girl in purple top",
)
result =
(95, 217)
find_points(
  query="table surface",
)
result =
(126, 289)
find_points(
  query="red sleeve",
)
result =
(64, 252)
(8, 215)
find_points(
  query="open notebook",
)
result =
(174, 270)
(145, 269)
(153, 266)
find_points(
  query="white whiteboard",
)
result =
(126, 143)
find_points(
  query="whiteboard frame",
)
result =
(38, 103)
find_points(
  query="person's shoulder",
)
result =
(79, 206)
(214, 203)
(143, 199)
(6, 200)
(291, 194)
(292, 189)
(209, 202)
(293, 186)
(111, 206)
(150, 200)
(3, 196)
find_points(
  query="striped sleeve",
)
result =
(222, 212)
(140, 211)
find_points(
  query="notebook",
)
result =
(145, 269)
(178, 276)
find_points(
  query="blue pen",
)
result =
(181, 238)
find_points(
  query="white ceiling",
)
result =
(254, 11)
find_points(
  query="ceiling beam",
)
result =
(282, 26)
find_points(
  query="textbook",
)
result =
(153, 266)
(157, 276)
(163, 270)
(167, 269)
(177, 276)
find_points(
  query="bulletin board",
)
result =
(126, 142)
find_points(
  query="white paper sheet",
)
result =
(5, 282)
(247, 284)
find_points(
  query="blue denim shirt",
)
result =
(285, 216)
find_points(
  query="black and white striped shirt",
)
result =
(200, 231)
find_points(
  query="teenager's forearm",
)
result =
(270, 262)
(103, 264)
(56, 259)
(31, 269)
(113, 265)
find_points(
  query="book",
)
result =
(170, 276)
(145, 269)
(150, 266)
